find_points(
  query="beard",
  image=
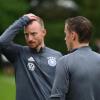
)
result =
(34, 45)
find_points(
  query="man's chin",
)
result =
(31, 46)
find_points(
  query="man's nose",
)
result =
(30, 38)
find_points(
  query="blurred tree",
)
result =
(54, 9)
(11, 9)
(91, 9)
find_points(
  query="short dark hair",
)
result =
(82, 26)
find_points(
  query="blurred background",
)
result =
(54, 13)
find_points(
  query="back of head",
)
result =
(82, 26)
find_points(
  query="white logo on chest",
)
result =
(51, 61)
(30, 64)
(31, 59)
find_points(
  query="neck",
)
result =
(40, 46)
(80, 45)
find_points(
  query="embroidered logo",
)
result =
(31, 59)
(30, 64)
(51, 61)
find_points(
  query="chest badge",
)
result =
(30, 64)
(31, 59)
(51, 61)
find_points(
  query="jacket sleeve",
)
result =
(8, 48)
(61, 82)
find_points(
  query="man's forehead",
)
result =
(34, 22)
(66, 26)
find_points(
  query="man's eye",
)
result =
(34, 33)
(26, 34)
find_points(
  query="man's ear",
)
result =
(44, 31)
(74, 35)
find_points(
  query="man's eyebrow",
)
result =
(30, 33)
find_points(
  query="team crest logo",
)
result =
(31, 59)
(52, 61)
(30, 64)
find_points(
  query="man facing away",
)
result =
(34, 64)
(78, 73)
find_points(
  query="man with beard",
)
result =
(34, 64)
